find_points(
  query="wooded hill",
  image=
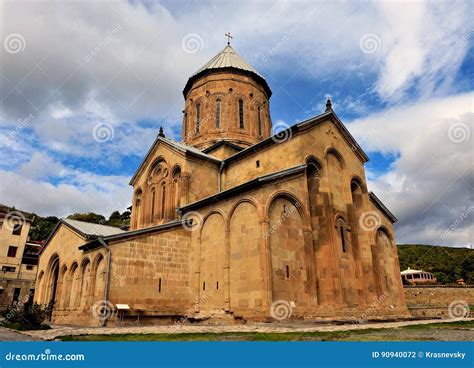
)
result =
(446, 263)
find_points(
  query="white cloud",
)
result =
(41, 166)
(73, 191)
(89, 63)
(431, 182)
(129, 58)
(421, 40)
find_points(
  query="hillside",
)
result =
(43, 226)
(448, 264)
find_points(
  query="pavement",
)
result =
(275, 327)
(10, 335)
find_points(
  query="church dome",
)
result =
(227, 59)
(226, 100)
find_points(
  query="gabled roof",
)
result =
(98, 242)
(378, 203)
(176, 145)
(227, 59)
(244, 187)
(85, 230)
(90, 230)
(295, 129)
(222, 143)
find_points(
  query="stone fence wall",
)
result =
(434, 300)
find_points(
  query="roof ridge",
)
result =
(90, 223)
(177, 145)
(191, 148)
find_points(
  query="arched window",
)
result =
(153, 204)
(84, 292)
(356, 192)
(313, 177)
(176, 188)
(185, 126)
(313, 167)
(341, 232)
(259, 117)
(138, 198)
(163, 199)
(241, 114)
(137, 208)
(218, 113)
(198, 117)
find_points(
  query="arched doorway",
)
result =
(53, 276)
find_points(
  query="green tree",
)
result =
(447, 263)
(88, 217)
(41, 227)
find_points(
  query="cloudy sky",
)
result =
(84, 87)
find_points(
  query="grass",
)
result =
(407, 333)
(446, 325)
(22, 327)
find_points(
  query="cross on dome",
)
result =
(229, 37)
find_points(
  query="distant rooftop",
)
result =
(409, 271)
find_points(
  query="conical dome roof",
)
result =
(225, 59)
(228, 58)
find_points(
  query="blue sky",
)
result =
(85, 86)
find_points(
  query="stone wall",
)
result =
(228, 88)
(80, 278)
(433, 301)
(272, 254)
(171, 175)
(151, 273)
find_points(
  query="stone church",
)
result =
(234, 221)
